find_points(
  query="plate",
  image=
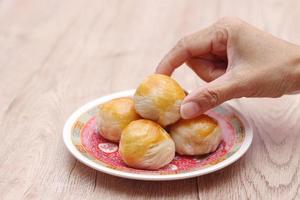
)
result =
(82, 139)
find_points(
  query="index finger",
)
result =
(196, 44)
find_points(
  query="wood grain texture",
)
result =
(57, 55)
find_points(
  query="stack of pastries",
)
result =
(140, 125)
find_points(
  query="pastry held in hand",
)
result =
(114, 116)
(196, 136)
(145, 144)
(159, 98)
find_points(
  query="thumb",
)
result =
(209, 96)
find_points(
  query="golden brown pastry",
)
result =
(145, 144)
(114, 116)
(196, 136)
(159, 98)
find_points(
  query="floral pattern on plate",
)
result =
(88, 141)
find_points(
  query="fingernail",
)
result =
(189, 110)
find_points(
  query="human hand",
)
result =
(236, 60)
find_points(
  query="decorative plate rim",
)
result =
(70, 146)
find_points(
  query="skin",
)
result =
(236, 60)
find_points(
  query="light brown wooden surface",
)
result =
(57, 55)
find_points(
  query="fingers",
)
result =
(209, 96)
(206, 69)
(193, 45)
(176, 57)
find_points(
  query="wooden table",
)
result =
(57, 55)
